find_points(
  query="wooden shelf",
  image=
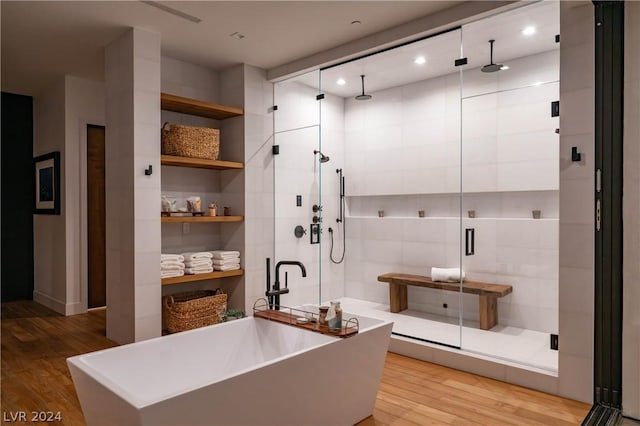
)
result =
(202, 219)
(200, 108)
(200, 163)
(201, 277)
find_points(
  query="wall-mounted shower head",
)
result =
(491, 67)
(363, 96)
(323, 158)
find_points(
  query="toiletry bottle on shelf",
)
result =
(213, 209)
(322, 317)
(334, 316)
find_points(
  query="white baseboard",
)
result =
(49, 302)
(58, 305)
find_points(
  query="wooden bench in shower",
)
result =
(488, 293)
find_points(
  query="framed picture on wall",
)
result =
(47, 170)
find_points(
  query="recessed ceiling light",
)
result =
(237, 35)
(420, 60)
(529, 31)
(341, 82)
(504, 67)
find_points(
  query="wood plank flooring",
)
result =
(37, 341)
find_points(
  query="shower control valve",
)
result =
(317, 219)
(316, 208)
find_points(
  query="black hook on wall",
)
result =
(575, 155)
(148, 170)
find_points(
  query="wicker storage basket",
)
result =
(188, 141)
(193, 309)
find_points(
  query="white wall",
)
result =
(49, 231)
(258, 182)
(61, 115)
(575, 362)
(132, 65)
(84, 104)
(631, 213)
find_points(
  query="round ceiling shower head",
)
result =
(491, 67)
(363, 96)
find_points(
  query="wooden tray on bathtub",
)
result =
(287, 318)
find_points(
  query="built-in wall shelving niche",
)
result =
(201, 219)
(202, 277)
(190, 106)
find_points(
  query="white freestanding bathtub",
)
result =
(245, 372)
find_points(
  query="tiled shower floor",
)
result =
(516, 345)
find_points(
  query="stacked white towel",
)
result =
(171, 265)
(226, 260)
(198, 262)
(450, 275)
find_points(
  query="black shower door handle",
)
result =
(469, 241)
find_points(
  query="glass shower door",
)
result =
(390, 122)
(510, 185)
(297, 188)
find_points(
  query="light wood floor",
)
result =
(37, 341)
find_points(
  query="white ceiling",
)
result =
(396, 67)
(42, 40)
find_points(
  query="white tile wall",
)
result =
(406, 141)
(133, 226)
(576, 185)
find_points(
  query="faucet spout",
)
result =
(276, 291)
(290, 262)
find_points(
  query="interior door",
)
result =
(96, 244)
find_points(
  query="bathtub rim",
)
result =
(80, 362)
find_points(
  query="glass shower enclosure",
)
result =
(416, 160)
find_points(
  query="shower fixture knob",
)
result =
(299, 231)
(317, 219)
(316, 208)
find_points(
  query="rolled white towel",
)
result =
(225, 254)
(198, 263)
(228, 261)
(230, 267)
(191, 256)
(171, 266)
(171, 274)
(171, 258)
(450, 275)
(199, 270)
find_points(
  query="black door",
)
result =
(17, 197)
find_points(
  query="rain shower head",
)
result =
(491, 67)
(363, 96)
(323, 158)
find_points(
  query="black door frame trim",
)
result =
(609, 114)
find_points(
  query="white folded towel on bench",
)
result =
(198, 263)
(225, 254)
(448, 275)
(171, 266)
(171, 274)
(198, 270)
(191, 256)
(228, 261)
(171, 258)
(230, 267)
